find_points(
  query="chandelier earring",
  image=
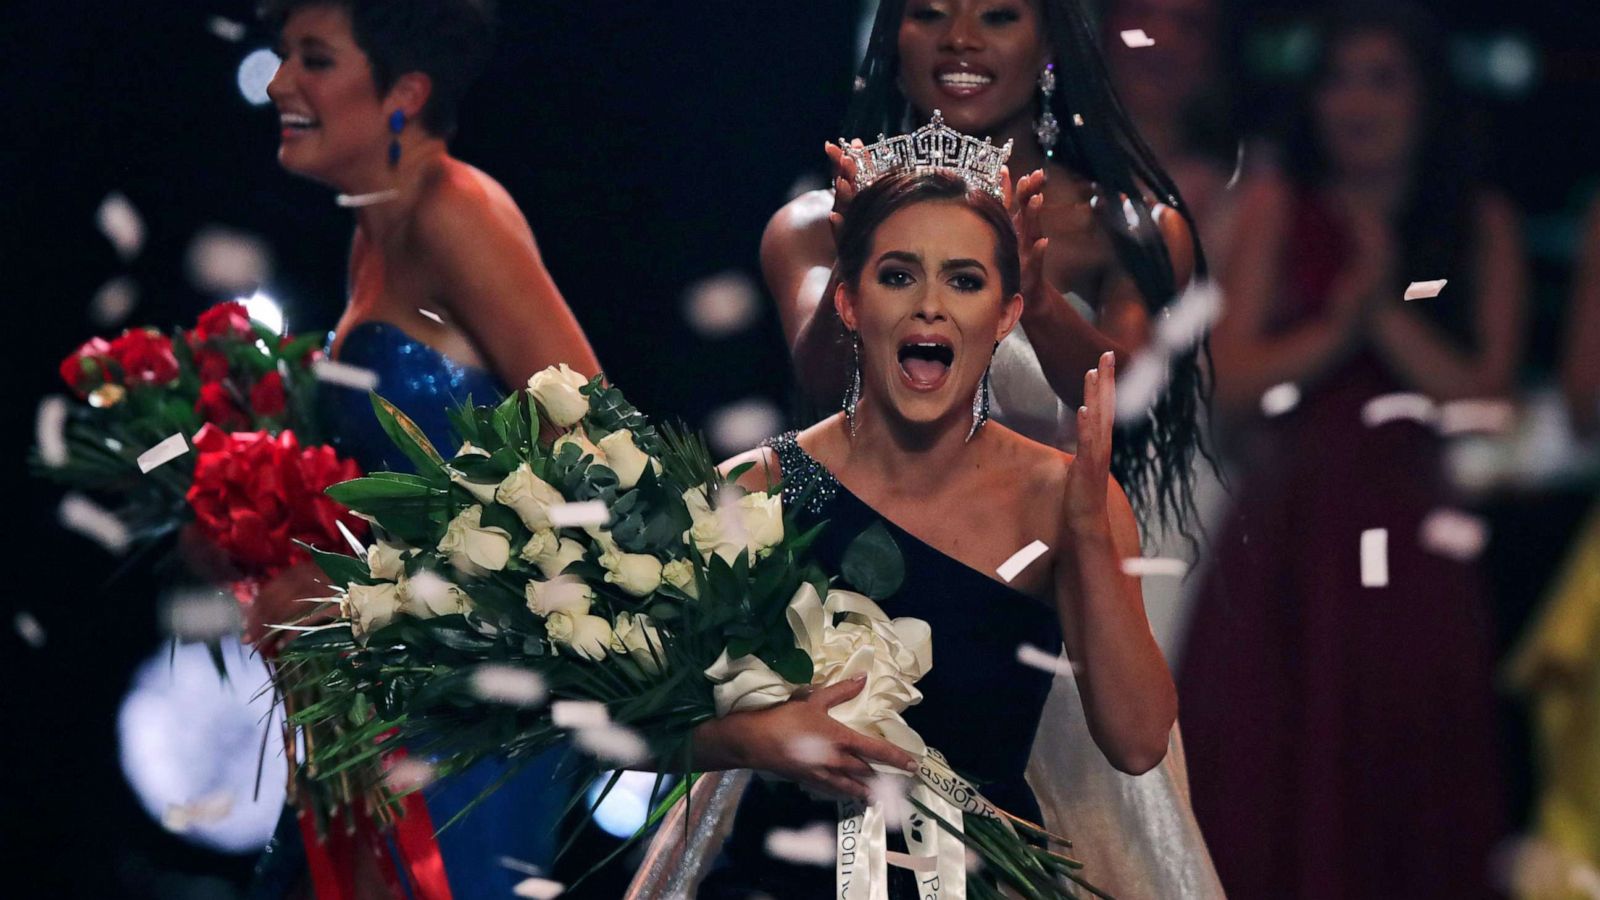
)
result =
(981, 399)
(1047, 129)
(852, 394)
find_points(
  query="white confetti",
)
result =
(810, 749)
(577, 515)
(579, 714)
(350, 538)
(1185, 321)
(1279, 399)
(1476, 417)
(812, 845)
(428, 588)
(49, 431)
(430, 314)
(1020, 560)
(613, 744)
(1136, 38)
(539, 888)
(226, 261)
(1387, 408)
(1154, 566)
(29, 629)
(168, 450)
(1423, 290)
(213, 807)
(409, 774)
(722, 305)
(1141, 384)
(517, 865)
(888, 793)
(331, 371)
(113, 302)
(508, 684)
(86, 517)
(1458, 535)
(226, 28)
(1054, 663)
(1375, 557)
(121, 224)
(201, 615)
(739, 426)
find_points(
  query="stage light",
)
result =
(626, 807)
(255, 71)
(265, 310)
(1512, 64)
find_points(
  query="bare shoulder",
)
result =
(800, 229)
(764, 469)
(1179, 238)
(460, 206)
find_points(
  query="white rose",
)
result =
(369, 607)
(586, 635)
(712, 531)
(637, 573)
(566, 594)
(529, 496)
(762, 515)
(551, 553)
(470, 546)
(452, 600)
(483, 493)
(636, 637)
(680, 574)
(625, 458)
(556, 390)
(388, 561)
(585, 446)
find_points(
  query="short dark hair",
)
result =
(892, 193)
(450, 41)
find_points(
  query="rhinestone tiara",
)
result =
(935, 147)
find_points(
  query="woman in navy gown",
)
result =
(448, 298)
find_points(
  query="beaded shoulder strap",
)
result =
(803, 477)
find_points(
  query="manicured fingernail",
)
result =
(1083, 410)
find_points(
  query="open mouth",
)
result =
(296, 124)
(926, 363)
(962, 80)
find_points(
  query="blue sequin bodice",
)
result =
(419, 380)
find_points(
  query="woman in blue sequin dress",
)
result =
(449, 299)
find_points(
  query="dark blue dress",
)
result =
(980, 707)
(520, 819)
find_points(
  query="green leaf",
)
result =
(408, 437)
(358, 492)
(873, 564)
(339, 568)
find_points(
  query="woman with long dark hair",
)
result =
(448, 300)
(1105, 223)
(1337, 698)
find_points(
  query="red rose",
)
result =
(224, 320)
(213, 365)
(267, 397)
(145, 356)
(217, 406)
(85, 368)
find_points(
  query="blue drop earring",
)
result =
(397, 124)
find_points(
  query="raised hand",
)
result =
(844, 181)
(1089, 473)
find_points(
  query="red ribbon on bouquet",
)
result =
(332, 856)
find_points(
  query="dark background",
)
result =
(647, 142)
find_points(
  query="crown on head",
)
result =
(933, 147)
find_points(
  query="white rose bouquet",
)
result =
(573, 570)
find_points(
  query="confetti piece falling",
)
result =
(579, 714)
(1141, 384)
(1476, 417)
(227, 261)
(539, 889)
(888, 792)
(1423, 290)
(409, 774)
(201, 615)
(429, 589)
(79, 513)
(1387, 408)
(121, 224)
(739, 426)
(213, 807)
(1375, 557)
(614, 744)
(1136, 38)
(331, 371)
(1154, 566)
(1054, 663)
(1020, 560)
(509, 685)
(430, 314)
(1458, 535)
(722, 305)
(517, 865)
(49, 431)
(808, 748)
(226, 28)
(168, 450)
(29, 629)
(1280, 398)
(113, 302)
(577, 515)
(812, 845)
(1187, 319)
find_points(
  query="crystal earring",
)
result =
(852, 395)
(1047, 129)
(980, 399)
(397, 124)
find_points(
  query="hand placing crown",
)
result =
(933, 147)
